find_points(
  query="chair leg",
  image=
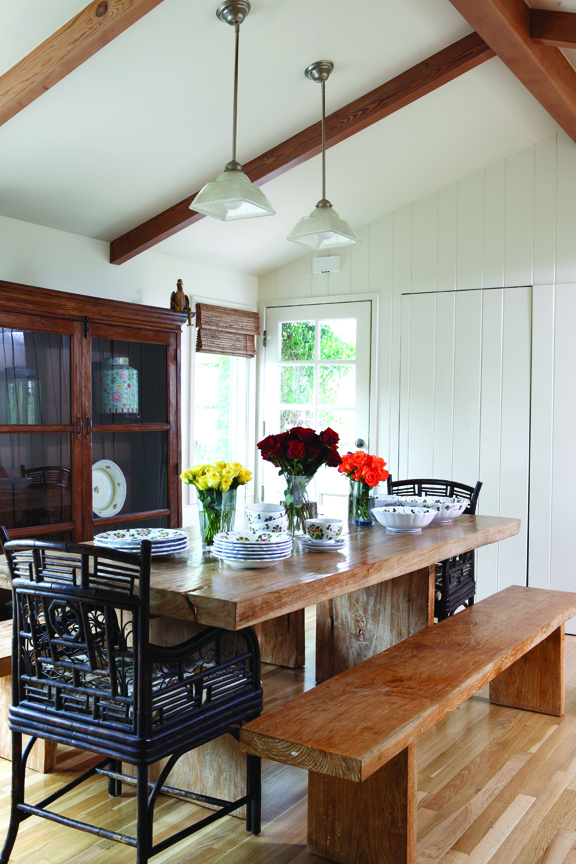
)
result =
(115, 786)
(254, 787)
(144, 826)
(18, 776)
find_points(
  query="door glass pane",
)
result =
(337, 385)
(131, 472)
(34, 480)
(290, 418)
(129, 383)
(343, 423)
(297, 385)
(34, 377)
(298, 340)
(338, 339)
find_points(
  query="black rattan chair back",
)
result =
(85, 674)
(441, 488)
(455, 577)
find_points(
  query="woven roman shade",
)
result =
(226, 331)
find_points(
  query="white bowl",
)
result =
(404, 520)
(446, 511)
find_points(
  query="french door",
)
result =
(317, 374)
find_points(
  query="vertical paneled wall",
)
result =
(511, 224)
(465, 406)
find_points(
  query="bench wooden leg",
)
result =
(373, 822)
(282, 640)
(356, 626)
(535, 682)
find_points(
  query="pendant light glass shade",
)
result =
(232, 196)
(323, 229)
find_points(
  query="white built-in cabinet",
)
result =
(465, 403)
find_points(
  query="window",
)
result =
(221, 411)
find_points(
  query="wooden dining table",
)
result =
(370, 595)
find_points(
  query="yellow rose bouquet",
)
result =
(216, 485)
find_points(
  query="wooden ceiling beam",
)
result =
(63, 51)
(553, 28)
(544, 71)
(363, 112)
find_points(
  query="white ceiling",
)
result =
(146, 121)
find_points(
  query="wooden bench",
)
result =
(357, 733)
(44, 752)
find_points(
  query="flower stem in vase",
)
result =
(298, 503)
(217, 512)
(359, 510)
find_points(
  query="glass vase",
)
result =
(299, 501)
(217, 512)
(360, 503)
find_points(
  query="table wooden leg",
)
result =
(373, 822)
(359, 625)
(536, 681)
(282, 640)
(43, 753)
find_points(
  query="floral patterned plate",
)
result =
(108, 488)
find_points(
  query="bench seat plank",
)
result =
(353, 724)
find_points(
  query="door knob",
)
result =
(360, 442)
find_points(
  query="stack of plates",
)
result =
(246, 550)
(165, 541)
(322, 545)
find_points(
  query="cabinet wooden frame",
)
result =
(84, 318)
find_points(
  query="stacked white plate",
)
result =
(322, 545)
(248, 550)
(165, 541)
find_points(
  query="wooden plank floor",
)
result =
(495, 785)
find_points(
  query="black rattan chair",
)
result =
(455, 577)
(85, 674)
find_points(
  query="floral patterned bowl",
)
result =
(263, 514)
(447, 509)
(324, 528)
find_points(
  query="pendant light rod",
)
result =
(320, 72)
(235, 112)
(234, 12)
(323, 139)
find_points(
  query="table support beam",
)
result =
(282, 640)
(355, 626)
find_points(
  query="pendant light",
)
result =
(232, 195)
(323, 228)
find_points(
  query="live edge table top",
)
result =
(194, 586)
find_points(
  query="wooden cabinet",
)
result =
(67, 402)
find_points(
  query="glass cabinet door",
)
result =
(39, 426)
(132, 442)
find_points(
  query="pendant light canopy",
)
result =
(323, 228)
(232, 195)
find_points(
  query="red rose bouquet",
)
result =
(364, 472)
(299, 453)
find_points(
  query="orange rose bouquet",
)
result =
(364, 472)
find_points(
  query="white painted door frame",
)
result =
(260, 375)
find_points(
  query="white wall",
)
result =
(35, 255)
(511, 224)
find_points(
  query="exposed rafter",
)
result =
(63, 51)
(544, 71)
(553, 28)
(363, 112)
